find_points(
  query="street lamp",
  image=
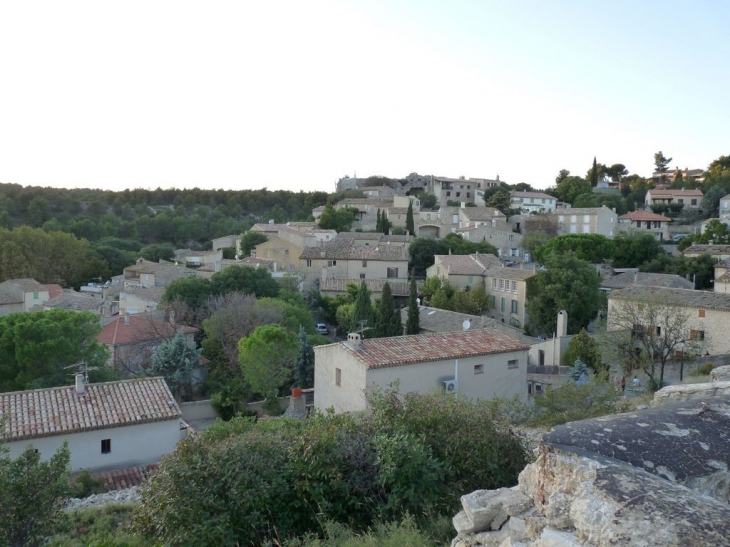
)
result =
(681, 365)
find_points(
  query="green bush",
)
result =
(244, 482)
(703, 369)
(84, 485)
(98, 526)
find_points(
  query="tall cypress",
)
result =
(410, 224)
(594, 173)
(379, 223)
(387, 321)
(412, 324)
(363, 312)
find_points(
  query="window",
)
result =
(331, 263)
(494, 284)
(586, 218)
(458, 194)
(291, 267)
(541, 357)
(503, 303)
(514, 286)
(455, 219)
(513, 363)
(697, 335)
(309, 263)
(106, 446)
(680, 200)
(468, 194)
(286, 252)
(538, 389)
(701, 313)
(338, 377)
(364, 263)
(448, 194)
(35, 295)
(478, 369)
(658, 331)
(494, 301)
(511, 237)
(561, 219)
(362, 276)
(392, 273)
(573, 218)
(514, 306)
(471, 280)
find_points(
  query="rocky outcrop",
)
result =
(638, 479)
(128, 495)
(720, 374)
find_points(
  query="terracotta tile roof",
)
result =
(344, 249)
(141, 327)
(398, 288)
(663, 194)
(54, 290)
(121, 479)
(60, 410)
(644, 215)
(539, 195)
(481, 213)
(475, 264)
(683, 298)
(707, 249)
(627, 279)
(421, 348)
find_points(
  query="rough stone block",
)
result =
(512, 542)
(557, 511)
(720, 374)
(686, 392)
(490, 509)
(462, 524)
(557, 538)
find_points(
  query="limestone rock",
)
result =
(556, 538)
(687, 392)
(720, 374)
(490, 509)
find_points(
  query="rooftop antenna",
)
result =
(82, 367)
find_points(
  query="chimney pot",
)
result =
(80, 384)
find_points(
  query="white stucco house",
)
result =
(107, 425)
(475, 364)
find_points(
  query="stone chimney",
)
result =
(80, 384)
(354, 340)
(562, 324)
(126, 318)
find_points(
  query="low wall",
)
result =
(198, 410)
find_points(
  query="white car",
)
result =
(322, 328)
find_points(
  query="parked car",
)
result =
(322, 328)
(508, 263)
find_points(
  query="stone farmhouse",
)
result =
(645, 221)
(133, 339)
(533, 202)
(688, 198)
(18, 295)
(144, 284)
(709, 313)
(718, 252)
(447, 189)
(356, 256)
(108, 425)
(475, 364)
(286, 242)
(588, 220)
(507, 286)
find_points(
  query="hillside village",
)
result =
(388, 306)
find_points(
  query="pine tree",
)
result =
(304, 368)
(387, 321)
(410, 224)
(362, 317)
(177, 361)
(412, 325)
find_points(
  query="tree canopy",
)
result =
(267, 358)
(38, 349)
(567, 283)
(594, 248)
(632, 249)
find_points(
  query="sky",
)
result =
(293, 95)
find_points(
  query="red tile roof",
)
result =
(53, 290)
(421, 348)
(121, 479)
(645, 215)
(60, 410)
(141, 327)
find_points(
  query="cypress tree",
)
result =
(379, 223)
(387, 321)
(410, 224)
(412, 325)
(363, 312)
(304, 370)
(594, 173)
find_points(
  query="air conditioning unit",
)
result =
(450, 386)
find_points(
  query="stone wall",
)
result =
(657, 477)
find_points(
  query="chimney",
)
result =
(218, 265)
(80, 384)
(562, 324)
(354, 340)
(126, 318)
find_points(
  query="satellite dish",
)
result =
(466, 325)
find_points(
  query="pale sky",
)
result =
(295, 94)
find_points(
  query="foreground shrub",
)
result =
(244, 482)
(98, 526)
